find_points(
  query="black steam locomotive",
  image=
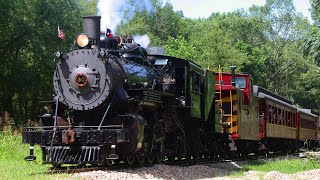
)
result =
(116, 102)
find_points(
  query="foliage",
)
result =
(273, 43)
(160, 23)
(214, 46)
(308, 88)
(287, 166)
(283, 29)
(13, 165)
(311, 44)
(315, 11)
(179, 47)
(29, 40)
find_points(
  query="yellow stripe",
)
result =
(227, 98)
(306, 129)
(234, 97)
(270, 124)
(234, 118)
(233, 129)
(235, 107)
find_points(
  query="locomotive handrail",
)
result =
(137, 72)
(107, 110)
(43, 102)
(55, 123)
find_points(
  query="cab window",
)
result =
(240, 82)
(195, 81)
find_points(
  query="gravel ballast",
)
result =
(211, 171)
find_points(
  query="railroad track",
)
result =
(74, 169)
(183, 162)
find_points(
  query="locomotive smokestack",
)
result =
(91, 27)
(233, 77)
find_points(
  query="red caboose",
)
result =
(258, 119)
(239, 109)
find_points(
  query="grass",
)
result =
(13, 165)
(286, 166)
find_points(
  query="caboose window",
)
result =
(240, 82)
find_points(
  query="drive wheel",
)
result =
(108, 162)
(150, 158)
(140, 157)
(130, 159)
(159, 157)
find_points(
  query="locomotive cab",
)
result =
(189, 84)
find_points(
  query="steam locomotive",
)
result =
(116, 101)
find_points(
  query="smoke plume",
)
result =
(144, 40)
(112, 12)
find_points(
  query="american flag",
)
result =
(60, 33)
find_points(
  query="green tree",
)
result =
(310, 44)
(283, 28)
(179, 47)
(159, 23)
(213, 46)
(26, 51)
(246, 36)
(315, 12)
(307, 88)
(265, 42)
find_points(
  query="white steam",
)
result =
(144, 40)
(112, 12)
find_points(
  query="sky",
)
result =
(204, 8)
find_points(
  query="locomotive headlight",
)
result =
(82, 40)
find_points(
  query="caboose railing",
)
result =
(227, 117)
(231, 111)
(219, 92)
